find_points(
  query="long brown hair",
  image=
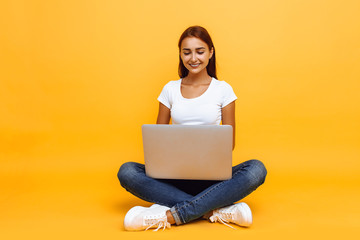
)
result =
(201, 33)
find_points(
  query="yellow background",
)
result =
(79, 78)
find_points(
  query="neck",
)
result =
(200, 78)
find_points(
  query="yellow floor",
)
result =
(79, 78)
(76, 195)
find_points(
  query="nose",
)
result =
(193, 57)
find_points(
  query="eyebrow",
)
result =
(195, 48)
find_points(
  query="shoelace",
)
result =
(161, 223)
(218, 218)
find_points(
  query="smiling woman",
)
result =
(196, 59)
(200, 37)
(198, 98)
(195, 56)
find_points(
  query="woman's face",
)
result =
(195, 54)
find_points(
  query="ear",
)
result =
(211, 52)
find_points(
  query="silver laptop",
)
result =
(198, 152)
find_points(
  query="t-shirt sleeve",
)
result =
(164, 97)
(228, 95)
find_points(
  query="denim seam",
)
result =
(176, 215)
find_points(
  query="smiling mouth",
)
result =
(194, 65)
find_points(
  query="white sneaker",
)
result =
(155, 205)
(239, 214)
(142, 218)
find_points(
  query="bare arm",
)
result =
(228, 117)
(163, 115)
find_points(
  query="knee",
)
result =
(258, 171)
(127, 172)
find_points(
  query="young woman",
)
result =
(197, 98)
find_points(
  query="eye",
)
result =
(186, 53)
(200, 53)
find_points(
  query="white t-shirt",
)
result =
(202, 110)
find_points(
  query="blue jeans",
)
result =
(191, 199)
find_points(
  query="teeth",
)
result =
(194, 65)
